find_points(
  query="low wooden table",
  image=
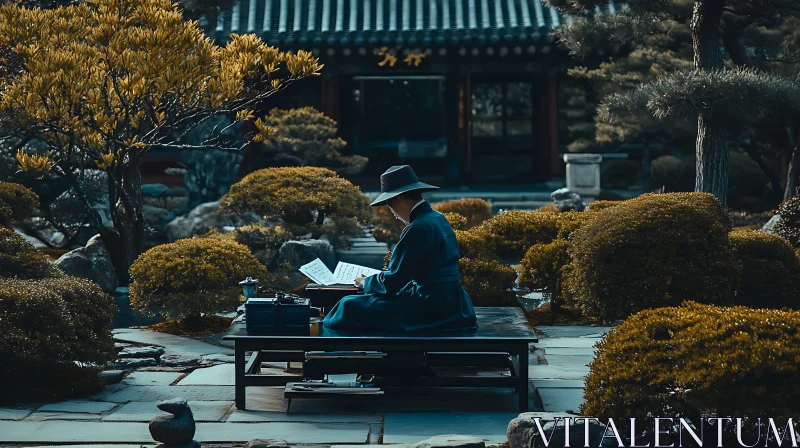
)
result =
(503, 334)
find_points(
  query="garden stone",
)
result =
(523, 433)
(133, 363)
(153, 214)
(451, 441)
(203, 218)
(192, 444)
(35, 242)
(770, 225)
(179, 361)
(266, 443)
(111, 376)
(567, 200)
(91, 262)
(141, 352)
(175, 429)
(154, 190)
(298, 253)
(176, 192)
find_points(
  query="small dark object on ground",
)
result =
(177, 429)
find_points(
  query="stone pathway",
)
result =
(120, 414)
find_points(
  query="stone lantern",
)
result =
(583, 173)
(249, 287)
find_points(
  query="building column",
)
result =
(330, 96)
(553, 145)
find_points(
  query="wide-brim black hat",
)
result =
(398, 180)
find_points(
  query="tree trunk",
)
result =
(792, 173)
(712, 140)
(127, 212)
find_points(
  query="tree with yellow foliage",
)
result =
(104, 82)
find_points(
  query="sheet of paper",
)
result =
(345, 273)
(318, 272)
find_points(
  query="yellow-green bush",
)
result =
(474, 210)
(263, 241)
(306, 199)
(652, 251)
(49, 321)
(513, 232)
(769, 275)
(549, 208)
(16, 203)
(697, 360)
(192, 276)
(18, 259)
(488, 282)
(542, 268)
(474, 244)
(601, 204)
(457, 221)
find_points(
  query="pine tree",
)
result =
(708, 64)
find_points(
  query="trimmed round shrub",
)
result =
(542, 269)
(474, 244)
(652, 251)
(51, 325)
(697, 360)
(600, 205)
(513, 232)
(19, 259)
(672, 173)
(456, 220)
(488, 283)
(16, 203)
(770, 270)
(263, 241)
(306, 199)
(789, 225)
(622, 174)
(387, 227)
(474, 210)
(549, 208)
(192, 276)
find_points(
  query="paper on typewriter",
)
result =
(344, 274)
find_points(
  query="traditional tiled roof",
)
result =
(345, 23)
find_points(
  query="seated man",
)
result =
(422, 290)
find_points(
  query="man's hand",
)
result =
(359, 281)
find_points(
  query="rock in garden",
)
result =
(567, 200)
(451, 441)
(154, 190)
(133, 363)
(91, 262)
(175, 429)
(153, 214)
(770, 225)
(266, 443)
(111, 376)
(523, 433)
(204, 218)
(35, 242)
(179, 361)
(141, 352)
(298, 253)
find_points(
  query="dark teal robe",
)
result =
(421, 291)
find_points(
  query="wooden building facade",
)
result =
(465, 91)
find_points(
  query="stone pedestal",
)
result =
(583, 173)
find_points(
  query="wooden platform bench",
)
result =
(503, 336)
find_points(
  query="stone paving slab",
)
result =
(158, 393)
(561, 400)
(128, 433)
(559, 384)
(546, 343)
(151, 378)
(273, 416)
(221, 375)
(46, 416)
(138, 411)
(138, 445)
(413, 427)
(177, 345)
(588, 352)
(78, 407)
(14, 413)
(557, 372)
(573, 331)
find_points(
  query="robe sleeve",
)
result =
(406, 255)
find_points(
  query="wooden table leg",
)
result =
(522, 388)
(239, 387)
